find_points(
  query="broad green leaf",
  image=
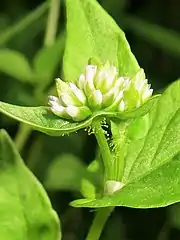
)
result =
(139, 127)
(151, 172)
(47, 60)
(65, 173)
(43, 120)
(16, 65)
(163, 38)
(98, 37)
(160, 188)
(25, 210)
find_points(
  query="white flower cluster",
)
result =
(99, 89)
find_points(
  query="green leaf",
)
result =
(160, 188)
(26, 212)
(43, 120)
(16, 65)
(47, 59)
(163, 38)
(90, 187)
(151, 172)
(139, 127)
(65, 173)
(99, 37)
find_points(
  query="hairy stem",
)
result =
(118, 134)
(99, 222)
(104, 147)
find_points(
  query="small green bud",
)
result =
(78, 113)
(95, 100)
(112, 186)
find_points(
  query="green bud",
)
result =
(95, 100)
(78, 113)
(99, 88)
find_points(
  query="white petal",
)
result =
(140, 85)
(54, 101)
(72, 111)
(53, 98)
(112, 186)
(110, 74)
(147, 94)
(122, 106)
(58, 108)
(67, 100)
(98, 97)
(81, 81)
(120, 81)
(127, 84)
(59, 111)
(90, 74)
(78, 93)
(120, 95)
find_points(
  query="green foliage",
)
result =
(47, 59)
(23, 23)
(42, 119)
(163, 38)
(151, 166)
(144, 143)
(98, 36)
(26, 212)
(15, 65)
(65, 173)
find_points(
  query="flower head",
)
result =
(99, 88)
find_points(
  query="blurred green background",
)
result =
(152, 28)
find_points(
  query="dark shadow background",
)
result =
(162, 67)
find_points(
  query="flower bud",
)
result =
(57, 108)
(99, 88)
(112, 186)
(105, 78)
(95, 100)
(78, 113)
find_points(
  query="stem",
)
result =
(104, 147)
(52, 23)
(118, 133)
(23, 23)
(22, 136)
(34, 153)
(99, 223)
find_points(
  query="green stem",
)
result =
(52, 23)
(104, 147)
(23, 23)
(34, 153)
(99, 223)
(118, 134)
(22, 136)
